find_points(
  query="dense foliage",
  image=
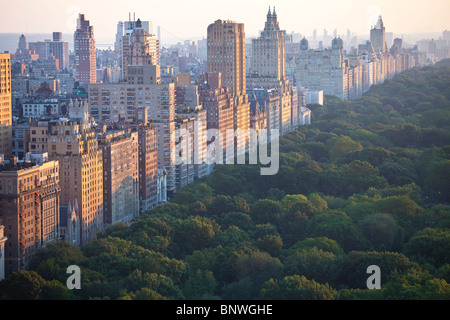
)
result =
(366, 184)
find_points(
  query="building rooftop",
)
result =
(8, 166)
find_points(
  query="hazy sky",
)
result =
(181, 19)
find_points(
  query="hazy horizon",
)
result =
(9, 41)
(180, 20)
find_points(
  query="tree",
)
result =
(437, 181)
(258, 266)
(322, 243)
(408, 212)
(51, 262)
(55, 290)
(321, 266)
(354, 270)
(381, 230)
(337, 226)
(292, 227)
(232, 236)
(266, 211)
(22, 285)
(297, 287)
(199, 284)
(430, 245)
(342, 145)
(396, 174)
(218, 260)
(195, 233)
(157, 282)
(270, 244)
(148, 294)
(289, 200)
(239, 219)
(193, 192)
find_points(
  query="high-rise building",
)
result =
(148, 167)
(110, 103)
(269, 50)
(29, 198)
(139, 47)
(226, 55)
(191, 144)
(323, 69)
(120, 176)
(23, 45)
(119, 36)
(58, 49)
(85, 54)
(74, 144)
(5, 105)
(219, 103)
(378, 36)
(269, 67)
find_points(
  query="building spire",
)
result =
(269, 13)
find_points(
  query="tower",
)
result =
(304, 45)
(269, 50)
(269, 70)
(378, 36)
(23, 45)
(226, 53)
(139, 47)
(85, 55)
(6, 105)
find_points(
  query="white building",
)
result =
(39, 108)
(305, 116)
(314, 96)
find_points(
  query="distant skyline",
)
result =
(180, 19)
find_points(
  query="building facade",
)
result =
(139, 48)
(226, 55)
(29, 196)
(148, 167)
(73, 142)
(5, 105)
(3, 239)
(120, 176)
(85, 54)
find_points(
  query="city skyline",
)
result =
(187, 23)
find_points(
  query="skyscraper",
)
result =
(58, 49)
(139, 48)
(74, 144)
(23, 44)
(119, 36)
(226, 55)
(5, 105)
(378, 36)
(269, 68)
(85, 55)
(269, 50)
